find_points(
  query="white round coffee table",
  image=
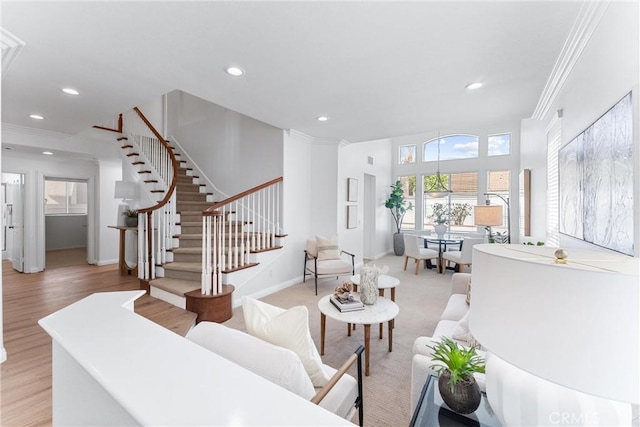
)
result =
(384, 282)
(384, 310)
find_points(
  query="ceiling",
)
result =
(376, 69)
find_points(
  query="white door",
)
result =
(15, 221)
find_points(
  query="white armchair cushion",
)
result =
(328, 248)
(276, 364)
(331, 267)
(456, 307)
(286, 328)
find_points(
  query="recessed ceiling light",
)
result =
(70, 91)
(472, 86)
(235, 71)
(48, 153)
(37, 117)
(322, 118)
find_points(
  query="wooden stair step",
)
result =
(175, 286)
(144, 171)
(139, 162)
(122, 138)
(126, 146)
(157, 191)
(151, 181)
(133, 154)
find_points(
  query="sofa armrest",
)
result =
(460, 283)
(356, 356)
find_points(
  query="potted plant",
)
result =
(131, 217)
(456, 383)
(460, 212)
(398, 206)
(440, 217)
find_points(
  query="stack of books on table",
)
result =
(344, 304)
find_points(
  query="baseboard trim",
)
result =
(3, 355)
(106, 262)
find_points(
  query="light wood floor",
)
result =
(57, 258)
(25, 377)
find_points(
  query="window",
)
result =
(498, 182)
(65, 197)
(459, 204)
(409, 187)
(451, 147)
(499, 145)
(407, 154)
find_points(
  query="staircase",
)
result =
(175, 263)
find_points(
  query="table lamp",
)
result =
(488, 216)
(568, 317)
(124, 190)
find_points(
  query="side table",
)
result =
(432, 411)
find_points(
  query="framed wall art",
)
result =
(352, 190)
(596, 181)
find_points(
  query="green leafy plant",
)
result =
(440, 213)
(131, 213)
(539, 243)
(459, 212)
(397, 204)
(461, 362)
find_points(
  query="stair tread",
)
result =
(184, 266)
(175, 286)
(187, 250)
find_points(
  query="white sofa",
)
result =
(276, 364)
(517, 397)
(455, 310)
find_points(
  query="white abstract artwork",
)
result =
(596, 181)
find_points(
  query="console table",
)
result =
(122, 263)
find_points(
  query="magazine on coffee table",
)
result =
(344, 304)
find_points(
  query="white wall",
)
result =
(234, 151)
(353, 163)
(65, 231)
(109, 171)
(607, 69)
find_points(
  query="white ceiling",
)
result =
(376, 69)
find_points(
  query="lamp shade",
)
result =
(490, 215)
(125, 190)
(574, 324)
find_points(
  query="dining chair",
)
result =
(463, 256)
(413, 250)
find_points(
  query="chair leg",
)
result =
(316, 284)
(406, 260)
(417, 265)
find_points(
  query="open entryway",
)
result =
(13, 219)
(369, 217)
(65, 209)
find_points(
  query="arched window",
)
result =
(451, 147)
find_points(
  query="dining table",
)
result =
(448, 240)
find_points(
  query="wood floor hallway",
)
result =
(25, 377)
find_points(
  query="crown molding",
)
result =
(301, 136)
(587, 21)
(11, 46)
(10, 129)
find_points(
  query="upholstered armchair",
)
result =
(463, 256)
(324, 258)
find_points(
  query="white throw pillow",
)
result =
(328, 248)
(288, 329)
(461, 331)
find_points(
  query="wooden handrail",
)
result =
(118, 130)
(174, 164)
(211, 209)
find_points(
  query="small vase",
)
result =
(440, 230)
(465, 397)
(368, 285)
(131, 221)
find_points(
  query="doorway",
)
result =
(66, 228)
(369, 217)
(13, 219)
